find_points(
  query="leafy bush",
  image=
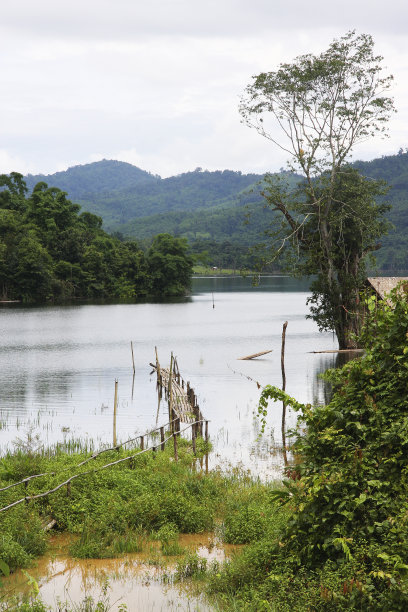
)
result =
(12, 553)
(191, 566)
(348, 496)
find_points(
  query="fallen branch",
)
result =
(254, 355)
(350, 350)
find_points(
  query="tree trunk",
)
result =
(348, 327)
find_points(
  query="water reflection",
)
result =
(322, 389)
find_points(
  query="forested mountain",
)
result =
(81, 182)
(394, 170)
(211, 209)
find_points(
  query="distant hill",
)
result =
(89, 179)
(394, 170)
(210, 208)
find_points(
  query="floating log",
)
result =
(350, 350)
(254, 355)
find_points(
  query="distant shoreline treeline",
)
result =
(49, 250)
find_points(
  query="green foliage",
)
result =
(112, 511)
(101, 542)
(86, 180)
(348, 492)
(168, 536)
(48, 250)
(250, 515)
(191, 566)
(12, 553)
(169, 265)
(21, 538)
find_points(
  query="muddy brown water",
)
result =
(142, 581)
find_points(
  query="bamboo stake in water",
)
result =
(115, 405)
(175, 447)
(157, 366)
(285, 458)
(170, 393)
(133, 384)
(133, 357)
(206, 447)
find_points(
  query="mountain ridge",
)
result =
(210, 206)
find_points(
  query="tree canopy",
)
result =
(317, 109)
(50, 250)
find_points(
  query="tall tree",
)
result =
(317, 109)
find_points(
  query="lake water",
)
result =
(58, 365)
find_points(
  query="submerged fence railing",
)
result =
(173, 436)
(183, 407)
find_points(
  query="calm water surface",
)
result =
(58, 364)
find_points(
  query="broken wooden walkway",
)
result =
(181, 399)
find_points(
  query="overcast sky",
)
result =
(157, 83)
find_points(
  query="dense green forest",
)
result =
(394, 170)
(221, 213)
(50, 250)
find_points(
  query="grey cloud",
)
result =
(130, 19)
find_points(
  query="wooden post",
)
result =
(193, 437)
(206, 443)
(175, 447)
(162, 438)
(200, 425)
(170, 394)
(285, 457)
(115, 405)
(154, 452)
(133, 358)
(196, 418)
(141, 442)
(158, 372)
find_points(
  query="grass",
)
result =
(118, 510)
(142, 506)
(206, 271)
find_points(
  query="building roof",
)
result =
(384, 284)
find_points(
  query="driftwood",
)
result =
(350, 350)
(254, 355)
